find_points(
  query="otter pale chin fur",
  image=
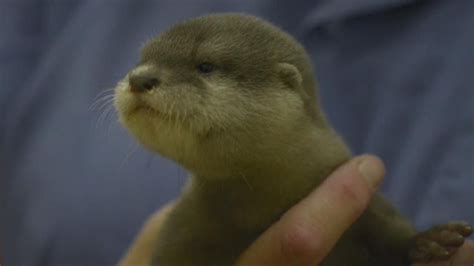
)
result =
(233, 100)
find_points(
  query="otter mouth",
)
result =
(145, 109)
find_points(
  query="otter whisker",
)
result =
(106, 103)
(101, 98)
(177, 116)
(99, 119)
(103, 92)
(109, 119)
(104, 114)
(171, 108)
(185, 117)
(129, 154)
(97, 105)
(246, 181)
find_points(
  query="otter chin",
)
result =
(233, 99)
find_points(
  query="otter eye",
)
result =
(205, 68)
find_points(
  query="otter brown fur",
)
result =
(233, 100)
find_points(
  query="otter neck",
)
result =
(273, 180)
(305, 151)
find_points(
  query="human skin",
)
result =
(307, 231)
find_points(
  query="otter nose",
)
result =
(141, 84)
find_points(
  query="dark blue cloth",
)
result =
(396, 79)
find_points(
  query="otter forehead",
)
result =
(221, 35)
(242, 45)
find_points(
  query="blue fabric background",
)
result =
(396, 79)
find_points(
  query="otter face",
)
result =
(220, 77)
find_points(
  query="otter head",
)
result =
(217, 91)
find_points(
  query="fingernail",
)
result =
(372, 170)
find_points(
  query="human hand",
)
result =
(311, 228)
(141, 250)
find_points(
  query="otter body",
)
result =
(233, 100)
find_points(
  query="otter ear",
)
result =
(290, 75)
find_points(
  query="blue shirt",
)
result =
(396, 79)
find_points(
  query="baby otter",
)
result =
(233, 100)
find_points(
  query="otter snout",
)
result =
(142, 83)
(143, 78)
